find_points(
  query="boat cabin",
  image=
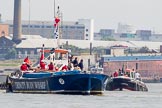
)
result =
(129, 73)
(59, 57)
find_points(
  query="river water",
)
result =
(110, 99)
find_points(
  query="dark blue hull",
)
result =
(120, 83)
(79, 83)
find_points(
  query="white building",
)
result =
(89, 28)
(125, 28)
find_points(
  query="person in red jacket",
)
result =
(56, 69)
(51, 66)
(24, 67)
(64, 68)
(115, 73)
(42, 65)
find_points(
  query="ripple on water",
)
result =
(110, 99)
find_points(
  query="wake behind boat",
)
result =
(126, 81)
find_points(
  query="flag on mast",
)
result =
(56, 24)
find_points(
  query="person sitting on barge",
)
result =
(115, 74)
(51, 66)
(42, 65)
(24, 67)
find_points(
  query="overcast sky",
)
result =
(142, 14)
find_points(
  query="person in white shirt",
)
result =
(137, 76)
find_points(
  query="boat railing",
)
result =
(59, 63)
(96, 70)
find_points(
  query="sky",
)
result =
(141, 14)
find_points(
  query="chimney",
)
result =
(0, 18)
(17, 22)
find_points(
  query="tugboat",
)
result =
(126, 81)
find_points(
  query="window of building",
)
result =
(48, 26)
(80, 27)
(26, 53)
(72, 27)
(25, 26)
(36, 26)
(32, 52)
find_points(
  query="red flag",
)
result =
(57, 20)
(56, 26)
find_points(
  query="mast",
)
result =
(57, 31)
(54, 9)
(29, 20)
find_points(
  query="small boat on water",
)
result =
(71, 82)
(126, 82)
(61, 82)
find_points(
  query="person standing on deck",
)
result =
(115, 74)
(137, 76)
(80, 65)
(70, 65)
(51, 66)
(75, 62)
(121, 72)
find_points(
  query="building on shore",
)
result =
(82, 29)
(4, 29)
(150, 67)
